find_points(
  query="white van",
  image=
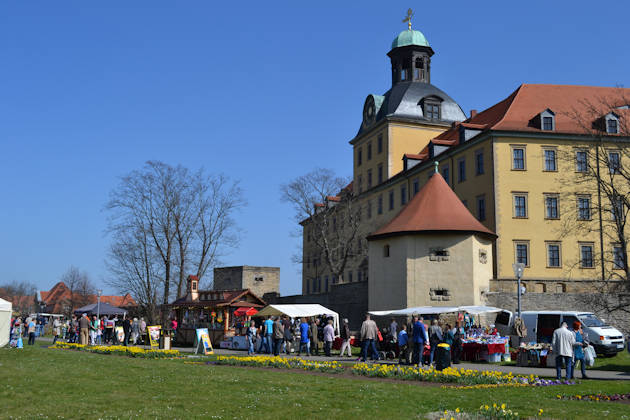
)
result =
(540, 325)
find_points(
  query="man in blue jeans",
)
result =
(419, 338)
(562, 345)
(369, 334)
(267, 340)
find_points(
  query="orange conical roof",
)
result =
(434, 208)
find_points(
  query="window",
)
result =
(379, 144)
(550, 160)
(391, 200)
(404, 74)
(379, 208)
(518, 158)
(461, 170)
(369, 209)
(369, 151)
(586, 255)
(553, 255)
(522, 252)
(369, 180)
(360, 182)
(547, 123)
(349, 276)
(259, 279)
(520, 205)
(618, 258)
(446, 174)
(386, 251)
(432, 110)
(380, 173)
(481, 207)
(326, 284)
(581, 161)
(617, 209)
(540, 288)
(561, 288)
(479, 162)
(359, 157)
(584, 207)
(614, 163)
(612, 126)
(403, 195)
(416, 186)
(438, 254)
(551, 207)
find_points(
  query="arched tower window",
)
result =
(418, 72)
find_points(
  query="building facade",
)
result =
(260, 280)
(522, 167)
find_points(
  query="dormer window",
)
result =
(611, 123)
(547, 120)
(612, 127)
(431, 107)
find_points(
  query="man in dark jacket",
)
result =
(315, 337)
(345, 337)
(127, 330)
(288, 334)
(278, 336)
(420, 337)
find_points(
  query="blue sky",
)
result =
(263, 92)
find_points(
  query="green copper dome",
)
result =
(410, 37)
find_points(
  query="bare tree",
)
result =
(21, 295)
(80, 286)
(600, 165)
(135, 269)
(326, 207)
(168, 215)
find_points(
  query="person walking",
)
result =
(329, 337)
(143, 329)
(251, 337)
(458, 344)
(94, 324)
(393, 330)
(127, 330)
(304, 341)
(435, 338)
(109, 330)
(403, 346)
(420, 337)
(562, 345)
(31, 328)
(84, 328)
(581, 342)
(345, 336)
(135, 331)
(369, 335)
(278, 336)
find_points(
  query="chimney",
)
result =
(473, 112)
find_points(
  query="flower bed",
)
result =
(596, 397)
(488, 412)
(280, 362)
(118, 350)
(448, 375)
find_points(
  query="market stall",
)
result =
(301, 310)
(5, 321)
(100, 309)
(223, 312)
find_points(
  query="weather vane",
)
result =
(408, 18)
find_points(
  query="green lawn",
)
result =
(621, 362)
(40, 382)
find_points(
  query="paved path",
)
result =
(542, 372)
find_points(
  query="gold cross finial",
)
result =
(408, 18)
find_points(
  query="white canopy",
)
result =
(433, 310)
(300, 310)
(5, 321)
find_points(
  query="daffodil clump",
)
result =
(118, 350)
(448, 375)
(280, 362)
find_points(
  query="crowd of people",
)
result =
(82, 329)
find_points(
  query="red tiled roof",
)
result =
(434, 208)
(414, 156)
(333, 198)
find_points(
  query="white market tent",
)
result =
(434, 310)
(5, 321)
(300, 310)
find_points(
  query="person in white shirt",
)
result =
(562, 345)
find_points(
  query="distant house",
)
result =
(60, 300)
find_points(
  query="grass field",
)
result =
(621, 362)
(45, 383)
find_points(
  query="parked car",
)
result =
(606, 339)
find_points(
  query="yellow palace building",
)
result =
(522, 167)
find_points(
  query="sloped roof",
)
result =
(224, 298)
(434, 208)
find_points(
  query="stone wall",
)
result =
(259, 280)
(564, 302)
(349, 300)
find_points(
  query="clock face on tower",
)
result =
(369, 111)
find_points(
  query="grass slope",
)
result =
(45, 383)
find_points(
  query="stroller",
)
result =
(388, 348)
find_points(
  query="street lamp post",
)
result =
(518, 272)
(99, 292)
